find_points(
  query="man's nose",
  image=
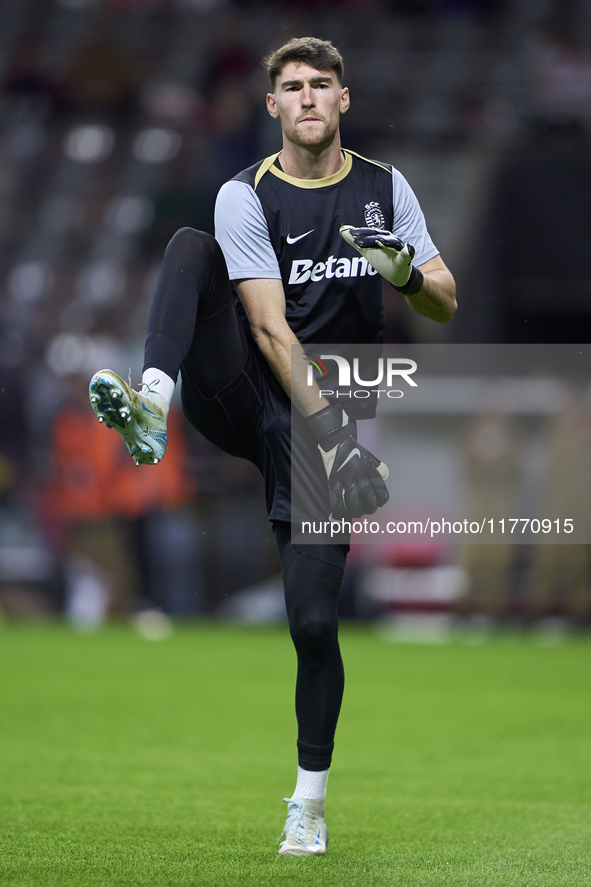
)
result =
(307, 97)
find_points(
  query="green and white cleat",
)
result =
(305, 830)
(139, 417)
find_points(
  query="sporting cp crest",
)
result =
(374, 217)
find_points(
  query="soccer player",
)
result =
(289, 234)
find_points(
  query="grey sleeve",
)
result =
(409, 221)
(242, 232)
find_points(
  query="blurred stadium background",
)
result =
(119, 121)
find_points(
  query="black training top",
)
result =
(272, 225)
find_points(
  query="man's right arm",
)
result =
(355, 477)
(264, 301)
(242, 232)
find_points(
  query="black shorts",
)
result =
(252, 418)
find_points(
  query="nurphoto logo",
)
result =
(386, 371)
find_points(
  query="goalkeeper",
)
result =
(303, 236)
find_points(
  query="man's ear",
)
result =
(345, 100)
(272, 105)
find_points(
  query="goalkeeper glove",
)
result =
(388, 255)
(355, 477)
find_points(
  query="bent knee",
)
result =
(189, 243)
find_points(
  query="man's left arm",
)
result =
(437, 297)
(428, 288)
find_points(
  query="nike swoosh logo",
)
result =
(147, 410)
(291, 239)
(355, 452)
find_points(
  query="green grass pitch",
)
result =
(129, 762)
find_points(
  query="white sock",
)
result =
(158, 382)
(311, 784)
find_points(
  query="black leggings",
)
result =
(312, 576)
(192, 320)
(193, 327)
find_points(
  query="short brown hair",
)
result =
(313, 51)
